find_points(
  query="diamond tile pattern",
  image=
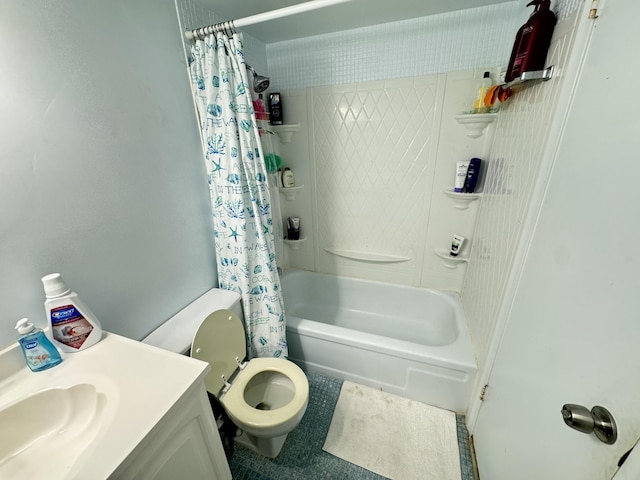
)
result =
(374, 155)
(514, 166)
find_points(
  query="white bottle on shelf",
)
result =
(288, 180)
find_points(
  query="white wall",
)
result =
(102, 172)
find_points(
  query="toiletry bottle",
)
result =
(275, 109)
(288, 180)
(456, 245)
(260, 108)
(462, 169)
(473, 173)
(73, 326)
(485, 84)
(38, 351)
(293, 228)
(532, 41)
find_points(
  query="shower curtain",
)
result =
(238, 186)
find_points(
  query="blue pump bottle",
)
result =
(38, 351)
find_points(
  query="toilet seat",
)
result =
(236, 405)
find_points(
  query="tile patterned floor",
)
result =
(302, 457)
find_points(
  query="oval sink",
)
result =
(54, 424)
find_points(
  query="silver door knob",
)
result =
(598, 421)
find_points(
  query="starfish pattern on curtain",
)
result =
(239, 190)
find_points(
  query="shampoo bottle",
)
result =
(473, 173)
(38, 351)
(485, 84)
(532, 41)
(73, 326)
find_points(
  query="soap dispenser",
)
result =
(38, 351)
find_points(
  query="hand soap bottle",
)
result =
(73, 326)
(38, 351)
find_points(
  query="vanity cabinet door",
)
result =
(184, 455)
(185, 444)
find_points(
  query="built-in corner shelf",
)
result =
(285, 132)
(543, 75)
(475, 123)
(449, 260)
(290, 193)
(462, 200)
(295, 244)
(367, 257)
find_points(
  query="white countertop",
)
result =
(138, 384)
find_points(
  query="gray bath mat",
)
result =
(393, 436)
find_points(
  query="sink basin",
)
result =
(85, 418)
(56, 423)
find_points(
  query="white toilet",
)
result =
(265, 397)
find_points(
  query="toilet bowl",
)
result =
(264, 397)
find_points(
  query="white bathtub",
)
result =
(412, 342)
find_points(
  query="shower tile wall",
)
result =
(462, 40)
(374, 159)
(374, 149)
(516, 157)
(565, 8)
(520, 134)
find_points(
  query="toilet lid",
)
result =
(218, 341)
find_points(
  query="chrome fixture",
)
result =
(231, 25)
(598, 421)
(260, 82)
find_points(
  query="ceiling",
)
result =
(345, 16)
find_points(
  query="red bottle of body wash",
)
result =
(532, 41)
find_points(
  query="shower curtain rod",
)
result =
(200, 33)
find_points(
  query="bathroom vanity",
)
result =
(118, 410)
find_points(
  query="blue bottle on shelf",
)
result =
(38, 351)
(473, 174)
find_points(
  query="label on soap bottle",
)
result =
(69, 326)
(36, 355)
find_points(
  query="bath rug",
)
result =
(393, 436)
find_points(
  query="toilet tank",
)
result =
(176, 334)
